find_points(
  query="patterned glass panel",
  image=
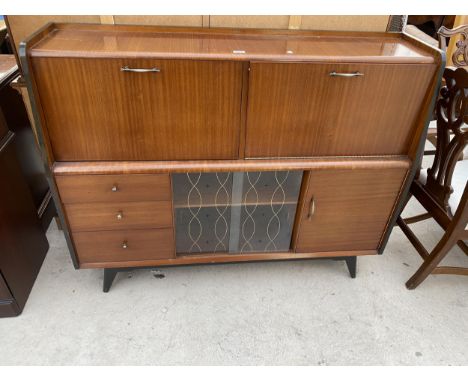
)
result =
(269, 201)
(202, 211)
(235, 212)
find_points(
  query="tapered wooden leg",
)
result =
(351, 262)
(109, 276)
(429, 264)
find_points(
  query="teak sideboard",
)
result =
(173, 146)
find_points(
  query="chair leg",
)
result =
(431, 262)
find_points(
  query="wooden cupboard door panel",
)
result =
(298, 109)
(113, 188)
(126, 245)
(95, 111)
(349, 208)
(108, 216)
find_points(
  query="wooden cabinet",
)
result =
(23, 243)
(300, 109)
(172, 146)
(347, 209)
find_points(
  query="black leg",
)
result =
(351, 262)
(109, 276)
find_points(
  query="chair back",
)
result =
(452, 134)
(460, 55)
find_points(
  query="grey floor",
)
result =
(287, 313)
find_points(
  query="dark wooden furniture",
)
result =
(459, 59)
(25, 143)
(23, 244)
(173, 146)
(433, 189)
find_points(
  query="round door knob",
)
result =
(124, 245)
(114, 188)
(119, 215)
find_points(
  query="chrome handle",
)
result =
(125, 245)
(139, 70)
(119, 215)
(311, 209)
(354, 74)
(114, 188)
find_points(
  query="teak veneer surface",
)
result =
(351, 208)
(227, 44)
(141, 244)
(214, 258)
(123, 215)
(72, 170)
(99, 188)
(298, 109)
(95, 111)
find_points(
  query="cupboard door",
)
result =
(299, 109)
(95, 111)
(347, 209)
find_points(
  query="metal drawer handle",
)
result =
(119, 215)
(354, 74)
(125, 245)
(139, 70)
(114, 188)
(311, 209)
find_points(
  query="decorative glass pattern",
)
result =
(235, 212)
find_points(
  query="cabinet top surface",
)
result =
(79, 40)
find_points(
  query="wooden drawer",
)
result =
(120, 215)
(113, 188)
(125, 245)
(301, 110)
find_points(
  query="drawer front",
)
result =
(190, 109)
(299, 109)
(113, 188)
(125, 245)
(124, 215)
(347, 209)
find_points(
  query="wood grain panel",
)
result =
(351, 211)
(95, 111)
(104, 41)
(141, 245)
(99, 188)
(144, 167)
(22, 26)
(300, 110)
(120, 215)
(212, 258)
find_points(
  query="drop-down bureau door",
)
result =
(326, 109)
(140, 109)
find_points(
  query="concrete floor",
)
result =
(288, 313)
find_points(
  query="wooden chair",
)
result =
(433, 188)
(459, 59)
